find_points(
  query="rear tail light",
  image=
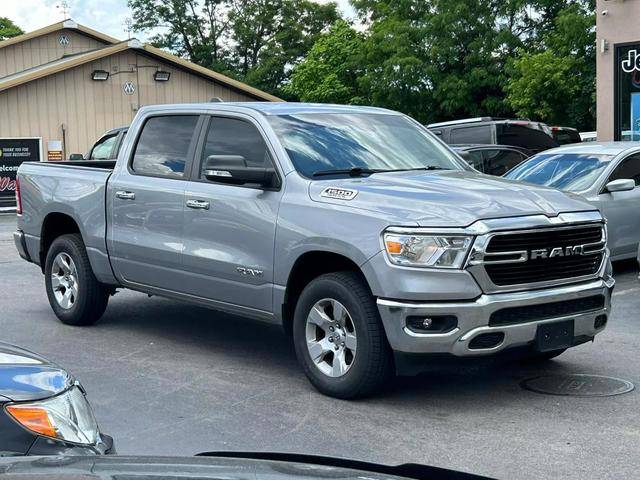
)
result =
(18, 198)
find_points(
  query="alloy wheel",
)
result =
(64, 280)
(331, 337)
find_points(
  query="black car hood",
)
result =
(26, 376)
(231, 466)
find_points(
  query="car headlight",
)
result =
(423, 250)
(67, 416)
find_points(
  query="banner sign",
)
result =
(14, 151)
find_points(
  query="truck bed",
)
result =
(75, 189)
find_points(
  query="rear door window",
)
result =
(163, 146)
(474, 134)
(526, 137)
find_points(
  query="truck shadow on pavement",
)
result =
(254, 350)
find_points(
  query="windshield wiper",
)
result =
(354, 171)
(428, 167)
(357, 171)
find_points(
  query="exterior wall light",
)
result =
(99, 75)
(161, 76)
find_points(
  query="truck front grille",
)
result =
(545, 255)
(544, 270)
(532, 313)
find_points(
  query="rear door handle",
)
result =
(124, 195)
(198, 204)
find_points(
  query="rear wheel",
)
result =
(339, 338)
(75, 295)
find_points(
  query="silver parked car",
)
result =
(606, 174)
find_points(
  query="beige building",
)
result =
(66, 84)
(618, 69)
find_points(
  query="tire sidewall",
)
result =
(60, 245)
(319, 289)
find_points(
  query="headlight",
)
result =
(436, 251)
(66, 417)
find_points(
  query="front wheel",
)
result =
(75, 295)
(339, 338)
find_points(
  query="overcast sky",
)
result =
(106, 16)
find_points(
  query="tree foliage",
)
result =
(432, 59)
(256, 41)
(555, 82)
(330, 72)
(8, 29)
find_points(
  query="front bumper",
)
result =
(473, 319)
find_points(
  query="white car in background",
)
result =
(588, 136)
(606, 174)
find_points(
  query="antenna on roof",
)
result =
(63, 6)
(128, 26)
(216, 100)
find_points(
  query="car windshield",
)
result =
(324, 142)
(574, 172)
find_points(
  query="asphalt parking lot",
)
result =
(172, 379)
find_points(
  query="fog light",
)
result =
(600, 322)
(432, 324)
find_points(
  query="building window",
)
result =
(627, 92)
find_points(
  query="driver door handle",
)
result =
(124, 195)
(198, 204)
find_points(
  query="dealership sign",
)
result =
(631, 63)
(14, 151)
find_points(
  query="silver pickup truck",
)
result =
(369, 240)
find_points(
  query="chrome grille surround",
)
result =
(479, 258)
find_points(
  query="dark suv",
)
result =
(534, 136)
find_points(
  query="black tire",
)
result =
(92, 298)
(372, 364)
(541, 357)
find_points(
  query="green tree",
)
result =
(257, 41)
(556, 82)
(433, 59)
(193, 29)
(330, 72)
(543, 87)
(270, 36)
(8, 29)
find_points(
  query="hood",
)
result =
(26, 376)
(228, 465)
(448, 198)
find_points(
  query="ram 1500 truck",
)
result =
(367, 238)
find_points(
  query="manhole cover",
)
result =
(578, 385)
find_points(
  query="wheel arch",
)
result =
(307, 267)
(54, 225)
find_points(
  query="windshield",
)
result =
(337, 141)
(568, 171)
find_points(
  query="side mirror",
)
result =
(620, 185)
(76, 156)
(233, 169)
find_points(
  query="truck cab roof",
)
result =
(272, 108)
